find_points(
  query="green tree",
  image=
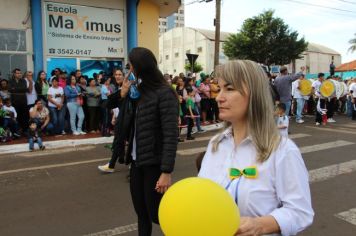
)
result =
(197, 67)
(353, 45)
(265, 39)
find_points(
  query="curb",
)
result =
(16, 148)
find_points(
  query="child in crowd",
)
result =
(180, 119)
(10, 121)
(34, 136)
(321, 112)
(2, 113)
(190, 112)
(282, 119)
(3, 136)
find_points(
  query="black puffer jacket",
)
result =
(156, 130)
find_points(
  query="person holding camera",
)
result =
(74, 104)
(55, 105)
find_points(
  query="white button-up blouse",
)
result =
(281, 188)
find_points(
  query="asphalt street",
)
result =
(61, 192)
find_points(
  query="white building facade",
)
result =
(175, 20)
(174, 44)
(317, 59)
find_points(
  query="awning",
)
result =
(167, 7)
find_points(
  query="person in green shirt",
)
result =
(42, 86)
(190, 105)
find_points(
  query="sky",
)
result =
(329, 27)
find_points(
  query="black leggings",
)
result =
(144, 196)
(318, 116)
(23, 115)
(93, 120)
(330, 106)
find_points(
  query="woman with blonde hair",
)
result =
(263, 172)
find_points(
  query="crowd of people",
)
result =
(59, 105)
(198, 106)
(63, 103)
(286, 89)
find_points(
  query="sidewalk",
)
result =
(55, 142)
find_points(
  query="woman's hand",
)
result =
(249, 227)
(125, 86)
(163, 183)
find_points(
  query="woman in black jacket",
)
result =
(150, 125)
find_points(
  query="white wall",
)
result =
(317, 62)
(181, 40)
(13, 12)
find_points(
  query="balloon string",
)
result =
(237, 189)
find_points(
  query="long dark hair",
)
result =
(39, 78)
(187, 81)
(145, 67)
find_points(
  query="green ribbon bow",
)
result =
(248, 172)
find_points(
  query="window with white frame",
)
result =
(13, 51)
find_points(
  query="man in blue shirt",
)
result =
(283, 84)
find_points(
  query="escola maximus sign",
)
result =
(80, 31)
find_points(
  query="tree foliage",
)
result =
(353, 45)
(265, 39)
(197, 67)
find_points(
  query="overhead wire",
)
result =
(339, 11)
(321, 6)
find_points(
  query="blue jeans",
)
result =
(75, 110)
(11, 124)
(57, 117)
(197, 119)
(49, 128)
(32, 142)
(300, 106)
(349, 107)
(288, 105)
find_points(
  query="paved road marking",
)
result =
(295, 136)
(331, 171)
(192, 151)
(324, 146)
(207, 138)
(332, 130)
(350, 125)
(116, 231)
(51, 166)
(306, 149)
(349, 216)
(55, 151)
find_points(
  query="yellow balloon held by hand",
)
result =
(198, 207)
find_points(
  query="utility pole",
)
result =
(217, 33)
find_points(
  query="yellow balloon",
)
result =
(198, 207)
